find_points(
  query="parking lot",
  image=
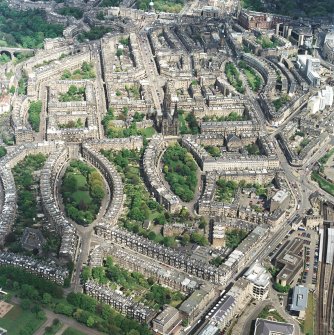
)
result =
(308, 276)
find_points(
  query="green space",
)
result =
(134, 284)
(147, 132)
(297, 133)
(34, 112)
(73, 94)
(253, 79)
(22, 84)
(308, 323)
(100, 316)
(253, 149)
(269, 313)
(309, 8)
(3, 151)
(53, 329)
(234, 237)
(86, 71)
(22, 56)
(26, 29)
(267, 43)
(73, 331)
(213, 150)
(36, 292)
(233, 77)
(125, 41)
(110, 3)
(169, 6)
(27, 190)
(303, 144)
(28, 286)
(180, 172)
(71, 11)
(217, 261)
(139, 203)
(82, 192)
(226, 189)
(100, 15)
(323, 183)
(188, 123)
(280, 102)
(324, 159)
(233, 116)
(72, 124)
(4, 58)
(132, 90)
(256, 5)
(280, 288)
(19, 321)
(116, 132)
(94, 33)
(142, 206)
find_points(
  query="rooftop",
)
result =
(299, 298)
(267, 327)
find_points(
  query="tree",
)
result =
(46, 298)
(217, 261)
(25, 304)
(90, 321)
(202, 223)
(280, 288)
(185, 239)
(3, 151)
(198, 239)
(86, 273)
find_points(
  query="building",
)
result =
(323, 99)
(280, 200)
(217, 233)
(166, 321)
(3, 331)
(223, 311)
(289, 261)
(259, 278)
(123, 304)
(309, 66)
(328, 49)
(197, 303)
(299, 301)
(32, 239)
(209, 330)
(268, 327)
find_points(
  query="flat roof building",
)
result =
(299, 301)
(259, 278)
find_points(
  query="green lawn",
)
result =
(323, 183)
(73, 331)
(270, 312)
(310, 315)
(84, 196)
(253, 79)
(148, 132)
(80, 179)
(17, 319)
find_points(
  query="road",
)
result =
(155, 80)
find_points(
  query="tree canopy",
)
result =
(82, 190)
(180, 172)
(27, 29)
